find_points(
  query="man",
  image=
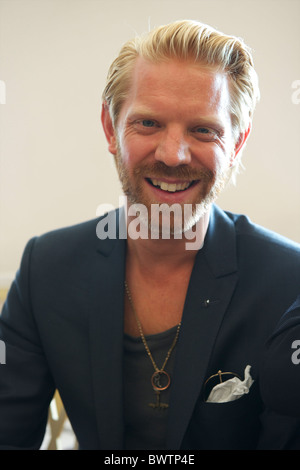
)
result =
(280, 369)
(135, 331)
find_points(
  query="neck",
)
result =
(159, 270)
(152, 253)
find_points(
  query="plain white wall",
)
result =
(54, 165)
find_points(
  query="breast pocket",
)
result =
(233, 425)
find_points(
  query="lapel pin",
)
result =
(207, 303)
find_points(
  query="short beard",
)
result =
(191, 212)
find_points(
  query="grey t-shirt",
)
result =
(145, 426)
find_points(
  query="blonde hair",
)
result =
(189, 40)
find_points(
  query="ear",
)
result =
(109, 130)
(240, 144)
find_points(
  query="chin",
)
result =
(163, 222)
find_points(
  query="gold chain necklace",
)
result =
(160, 379)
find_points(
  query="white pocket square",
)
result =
(231, 389)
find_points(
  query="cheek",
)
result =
(214, 158)
(134, 150)
(124, 152)
(222, 162)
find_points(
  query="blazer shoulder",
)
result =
(257, 235)
(71, 246)
(85, 233)
(76, 237)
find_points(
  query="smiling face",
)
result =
(173, 140)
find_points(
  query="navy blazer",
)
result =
(280, 369)
(63, 328)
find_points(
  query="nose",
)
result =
(173, 148)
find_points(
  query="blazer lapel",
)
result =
(106, 339)
(212, 284)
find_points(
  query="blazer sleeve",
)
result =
(280, 368)
(26, 385)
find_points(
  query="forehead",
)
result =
(178, 85)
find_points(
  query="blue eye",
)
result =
(148, 123)
(205, 134)
(203, 130)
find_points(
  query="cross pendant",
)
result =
(158, 404)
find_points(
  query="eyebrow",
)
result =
(136, 113)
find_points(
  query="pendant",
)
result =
(158, 404)
(160, 380)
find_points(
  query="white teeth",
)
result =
(170, 187)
